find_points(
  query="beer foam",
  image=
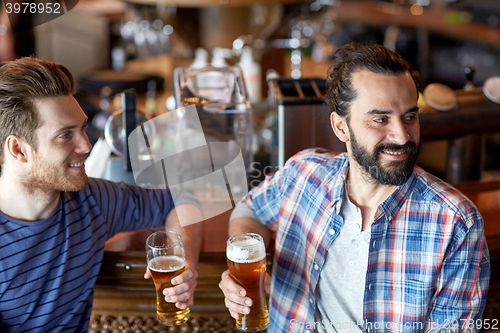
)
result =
(166, 263)
(246, 251)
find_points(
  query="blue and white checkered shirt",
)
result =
(428, 262)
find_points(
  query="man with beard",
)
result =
(54, 220)
(366, 241)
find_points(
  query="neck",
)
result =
(363, 190)
(18, 203)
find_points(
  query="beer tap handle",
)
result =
(469, 78)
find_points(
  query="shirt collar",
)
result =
(393, 203)
(338, 183)
(390, 206)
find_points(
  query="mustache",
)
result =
(410, 146)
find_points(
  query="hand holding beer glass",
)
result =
(166, 259)
(246, 258)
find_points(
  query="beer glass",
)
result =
(166, 259)
(246, 258)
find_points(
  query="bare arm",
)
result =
(192, 234)
(245, 224)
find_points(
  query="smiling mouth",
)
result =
(396, 153)
(76, 165)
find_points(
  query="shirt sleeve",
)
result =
(129, 207)
(267, 199)
(462, 282)
(242, 210)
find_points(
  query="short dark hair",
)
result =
(22, 81)
(353, 57)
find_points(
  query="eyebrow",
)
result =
(383, 112)
(65, 128)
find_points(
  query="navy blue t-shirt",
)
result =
(48, 268)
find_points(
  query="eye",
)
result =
(380, 120)
(411, 117)
(65, 136)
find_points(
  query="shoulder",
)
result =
(99, 187)
(436, 191)
(318, 157)
(104, 190)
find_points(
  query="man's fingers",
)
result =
(178, 289)
(184, 297)
(184, 305)
(234, 314)
(235, 299)
(147, 275)
(228, 285)
(185, 276)
(236, 308)
(183, 289)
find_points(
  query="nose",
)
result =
(399, 133)
(83, 145)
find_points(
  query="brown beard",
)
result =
(46, 179)
(396, 173)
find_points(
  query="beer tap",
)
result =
(469, 78)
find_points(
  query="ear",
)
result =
(339, 126)
(16, 148)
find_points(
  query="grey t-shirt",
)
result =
(340, 289)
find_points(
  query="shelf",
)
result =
(212, 3)
(434, 19)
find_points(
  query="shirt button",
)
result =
(358, 226)
(332, 232)
(370, 286)
(374, 244)
(310, 300)
(316, 267)
(351, 263)
(354, 245)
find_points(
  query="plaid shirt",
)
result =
(428, 263)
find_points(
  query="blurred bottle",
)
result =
(200, 58)
(252, 74)
(219, 56)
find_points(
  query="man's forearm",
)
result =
(243, 225)
(192, 234)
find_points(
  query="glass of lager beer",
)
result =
(166, 259)
(246, 258)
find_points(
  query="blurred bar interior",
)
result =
(284, 48)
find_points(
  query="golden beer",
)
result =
(246, 259)
(166, 259)
(164, 269)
